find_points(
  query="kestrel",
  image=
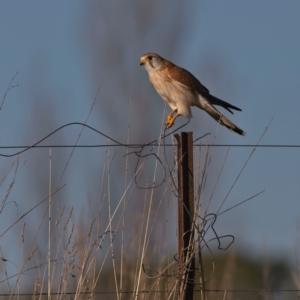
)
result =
(181, 90)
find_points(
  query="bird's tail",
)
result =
(213, 112)
(231, 126)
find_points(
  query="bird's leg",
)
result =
(170, 121)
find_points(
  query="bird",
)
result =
(181, 90)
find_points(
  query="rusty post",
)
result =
(185, 215)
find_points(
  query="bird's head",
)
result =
(151, 61)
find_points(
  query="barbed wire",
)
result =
(145, 145)
(117, 143)
(153, 143)
(160, 291)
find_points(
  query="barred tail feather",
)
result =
(231, 126)
(213, 112)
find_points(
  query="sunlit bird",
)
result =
(181, 90)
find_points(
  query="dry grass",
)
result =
(121, 244)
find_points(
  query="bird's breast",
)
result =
(170, 90)
(176, 95)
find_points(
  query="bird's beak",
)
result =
(143, 61)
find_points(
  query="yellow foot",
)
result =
(171, 119)
(170, 122)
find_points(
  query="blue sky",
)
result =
(245, 52)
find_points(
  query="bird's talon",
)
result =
(170, 122)
(170, 117)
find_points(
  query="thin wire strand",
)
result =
(146, 145)
(163, 291)
(118, 144)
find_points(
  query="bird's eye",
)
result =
(150, 57)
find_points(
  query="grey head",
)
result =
(151, 61)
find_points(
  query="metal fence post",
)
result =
(185, 215)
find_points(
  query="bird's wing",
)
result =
(186, 79)
(216, 101)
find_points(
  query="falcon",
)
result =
(181, 90)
